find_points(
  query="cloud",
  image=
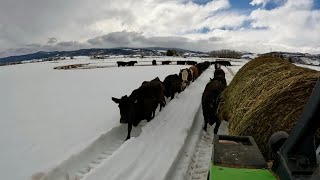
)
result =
(193, 24)
(52, 40)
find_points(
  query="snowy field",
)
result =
(317, 68)
(47, 115)
(63, 124)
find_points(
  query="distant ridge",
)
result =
(148, 51)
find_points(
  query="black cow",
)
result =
(220, 76)
(166, 62)
(141, 104)
(210, 102)
(206, 64)
(154, 62)
(219, 72)
(223, 63)
(217, 66)
(172, 84)
(191, 62)
(201, 67)
(121, 63)
(131, 63)
(181, 62)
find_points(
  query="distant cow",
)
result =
(154, 62)
(223, 63)
(210, 102)
(141, 104)
(186, 77)
(121, 63)
(131, 63)
(194, 72)
(172, 84)
(181, 62)
(166, 62)
(191, 62)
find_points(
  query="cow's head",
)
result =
(184, 73)
(127, 108)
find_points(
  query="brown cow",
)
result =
(194, 72)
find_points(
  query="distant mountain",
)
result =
(299, 58)
(151, 51)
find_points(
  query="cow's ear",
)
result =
(115, 100)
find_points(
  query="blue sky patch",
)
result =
(274, 4)
(242, 6)
(201, 2)
(204, 30)
(316, 5)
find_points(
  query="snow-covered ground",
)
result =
(310, 61)
(317, 68)
(63, 123)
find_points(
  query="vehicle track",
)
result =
(78, 165)
(194, 160)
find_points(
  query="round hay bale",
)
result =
(266, 95)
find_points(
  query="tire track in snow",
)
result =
(200, 161)
(147, 157)
(230, 71)
(78, 165)
(194, 160)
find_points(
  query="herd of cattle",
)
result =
(142, 102)
(154, 62)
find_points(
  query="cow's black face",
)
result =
(127, 109)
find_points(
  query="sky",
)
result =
(259, 26)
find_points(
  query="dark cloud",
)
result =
(117, 39)
(52, 40)
(35, 45)
(215, 39)
(134, 39)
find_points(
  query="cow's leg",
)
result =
(172, 95)
(129, 130)
(216, 128)
(205, 126)
(162, 104)
(153, 113)
(205, 120)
